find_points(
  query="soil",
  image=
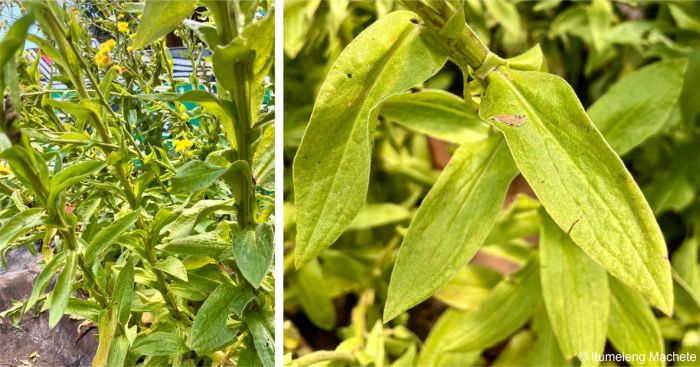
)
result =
(32, 343)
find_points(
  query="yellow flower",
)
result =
(102, 59)
(4, 170)
(133, 35)
(108, 45)
(182, 144)
(123, 27)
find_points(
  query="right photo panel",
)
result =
(491, 183)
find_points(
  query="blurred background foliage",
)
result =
(333, 305)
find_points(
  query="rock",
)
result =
(33, 342)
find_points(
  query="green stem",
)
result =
(323, 356)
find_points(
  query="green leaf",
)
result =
(262, 337)
(298, 20)
(14, 39)
(575, 292)
(208, 244)
(206, 32)
(379, 214)
(469, 288)
(62, 290)
(107, 325)
(123, 292)
(43, 279)
(264, 159)
(313, 296)
(331, 168)
(172, 266)
(435, 113)
(509, 305)
(254, 251)
(638, 105)
(633, 328)
(159, 344)
(159, 18)
(545, 351)
(447, 327)
(196, 175)
(248, 357)
(451, 223)
(209, 330)
(109, 234)
(118, 351)
(580, 181)
(19, 224)
(73, 174)
(690, 96)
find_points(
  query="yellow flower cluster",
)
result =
(182, 144)
(102, 56)
(123, 27)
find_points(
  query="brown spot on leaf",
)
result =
(512, 120)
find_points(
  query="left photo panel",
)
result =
(137, 183)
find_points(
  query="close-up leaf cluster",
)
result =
(146, 196)
(496, 183)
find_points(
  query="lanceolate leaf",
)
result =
(314, 298)
(435, 113)
(124, 292)
(209, 330)
(19, 224)
(575, 292)
(639, 104)
(201, 245)
(331, 168)
(159, 18)
(509, 305)
(580, 181)
(196, 175)
(263, 339)
(159, 344)
(62, 291)
(452, 222)
(254, 250)
(633, 329)
(109, 234)
(433, 353)
(43, 279)
(690, 93)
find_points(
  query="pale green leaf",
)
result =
(545, 351)
(123, 292)
(379, 214)
(263, 339)
(633, 329)
(471, 286)
(509, 305)
(579, 179)
(43, 279)
(313, 296)
(208, 244)
(298, 19)
(159, 344)
(451, 223)
(435, 113)
(19, 224)
(105, 237)
(575, 292)
(447, 327)
(159, 18)
(254, 252)
(196, 175)
(62, 290)
(264, 159)
(638, 105)
(331, 168)
(173, 266)
(209, 329)
(118, 351)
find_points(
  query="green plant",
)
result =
(168, 251)
(602, 258)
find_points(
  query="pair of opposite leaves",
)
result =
(579, 179)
